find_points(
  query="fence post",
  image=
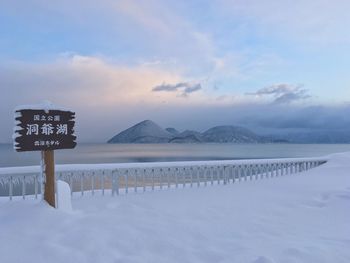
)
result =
(82, 183)
(233, 173)
(191, 177)
(205, 172)
(224, 172)
(144, 173)
(113, 182)
(126, 181)
(103, 182)
(168, 177)
(11, 188)
(117, 182)
(135, 181)
(160, 178)
(93, 183)
(176, 177)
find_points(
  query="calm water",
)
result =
(109, 153)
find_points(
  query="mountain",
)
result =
(172, 131)
(192, 134)
(186, 139)
(149, 132)
(230, 134)
(144, 132)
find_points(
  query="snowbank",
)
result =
(295, 218)
(63, 196)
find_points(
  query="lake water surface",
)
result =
(116, 153)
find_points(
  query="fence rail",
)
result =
(115, 179)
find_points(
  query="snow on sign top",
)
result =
(45, 105)
(43, 127)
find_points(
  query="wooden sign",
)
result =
(43, 130)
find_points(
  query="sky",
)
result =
(267, 65)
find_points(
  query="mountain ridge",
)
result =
(148, 131)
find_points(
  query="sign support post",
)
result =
(49, 173)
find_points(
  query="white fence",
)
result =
(115, 179)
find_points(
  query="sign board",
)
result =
(44, 130)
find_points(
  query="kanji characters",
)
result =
(32, 129)
(55, 118)
(62, 129)
(47, 129)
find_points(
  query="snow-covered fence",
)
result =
(115, 179)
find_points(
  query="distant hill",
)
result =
(172, 131)
(186, 139)
(144, 132)
(149, 132)
(231, 134)
(192, 134)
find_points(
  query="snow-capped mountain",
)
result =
(193, 134)
(232, 134)
(185, 139)
(144, 132)
(149, 132)
(172, 131)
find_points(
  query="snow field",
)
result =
(296, 218)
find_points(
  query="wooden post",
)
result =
(49, 172)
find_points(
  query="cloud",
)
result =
(288, 118)
(185, 88)
(86, 77)
(261, 118)
(86, 84)
(101, 92)
(193, 88)
(283, 93)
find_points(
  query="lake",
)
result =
(117, 153)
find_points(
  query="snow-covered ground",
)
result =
(295, 218)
